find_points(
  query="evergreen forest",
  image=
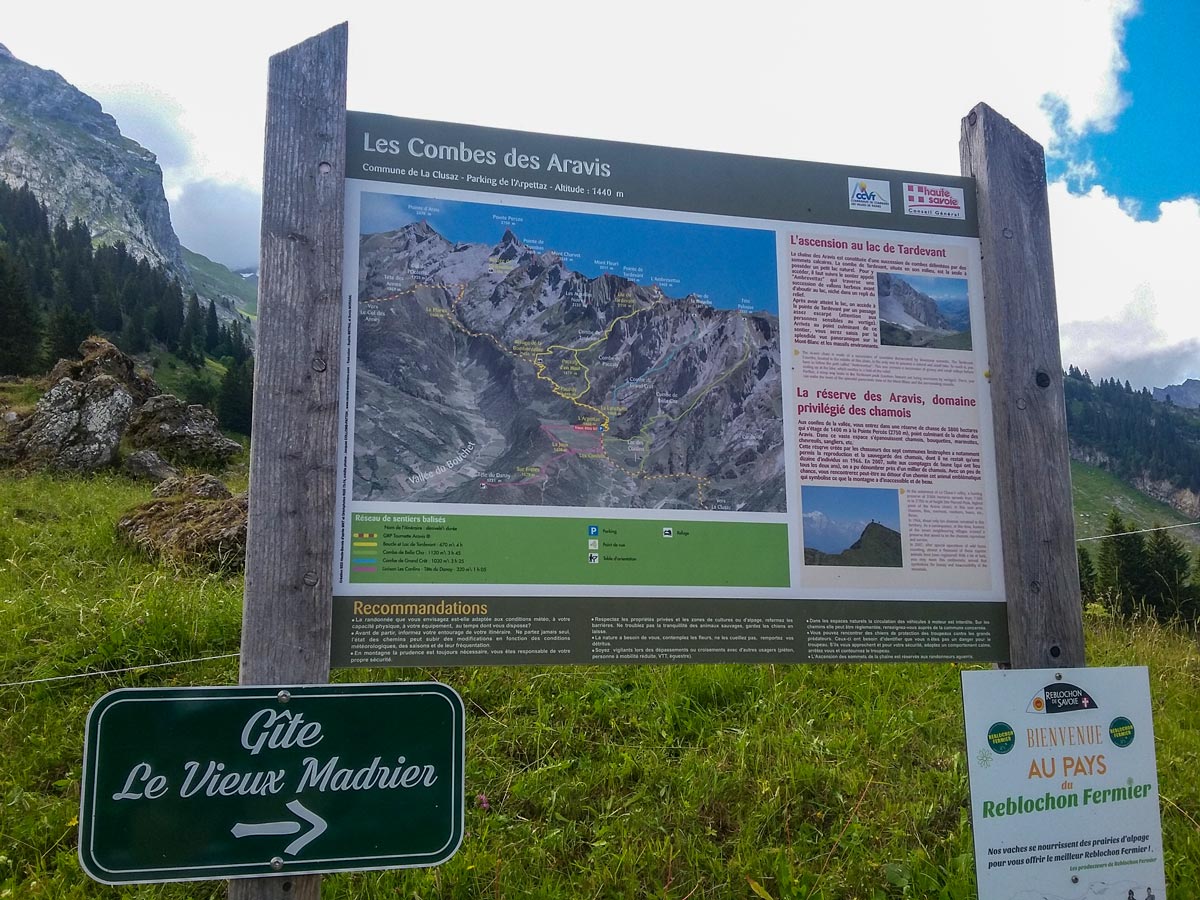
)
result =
(1137, 436)
(57, 288)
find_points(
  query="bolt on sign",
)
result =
(233, 782)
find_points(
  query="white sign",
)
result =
(1064, 789)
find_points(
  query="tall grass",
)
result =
(811, 782)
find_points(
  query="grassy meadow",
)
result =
(681, 782)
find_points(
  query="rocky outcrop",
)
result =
(146, 465)
(183, 434)
(186, 528)
(73, 156)
(92, 403)
(207, 487)
(1186, 394)
(76, 426)
(1182, 499)
(102, 357)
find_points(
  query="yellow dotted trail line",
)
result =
(701, 481)
(574, 397)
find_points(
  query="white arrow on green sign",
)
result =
(237, 782)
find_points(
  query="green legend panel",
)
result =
(390, 548)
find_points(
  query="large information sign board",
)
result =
(1064, 786)
(234, 782)
(615, 403)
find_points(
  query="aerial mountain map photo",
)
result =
(529, 368)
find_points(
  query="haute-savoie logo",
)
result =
(870, 194)
(1060, 698)
(934, 201)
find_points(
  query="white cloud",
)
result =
(1126, 288)
(152, 118)
(859, 82)
(220, 221)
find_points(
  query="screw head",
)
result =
(284, 696)
(276, 863)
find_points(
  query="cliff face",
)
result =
(73, 156)
(1185, 394)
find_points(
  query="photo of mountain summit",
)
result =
(850, 526)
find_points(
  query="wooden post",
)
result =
(1041, 572)
(289, 543)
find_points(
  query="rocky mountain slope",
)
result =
(540, 384)
(73, 156)
(1185, 394)
(904, 305)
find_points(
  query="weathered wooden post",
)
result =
(289, 545)
(1045, 617)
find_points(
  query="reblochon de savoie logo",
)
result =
(1060, 698)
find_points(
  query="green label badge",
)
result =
(1001, 737)
(1120, 730)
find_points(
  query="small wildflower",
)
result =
(482, 802)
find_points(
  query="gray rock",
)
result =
(207, 487)
(183, 434)
(76, 426)
(102, 357)
(146, 465)
(12, 424)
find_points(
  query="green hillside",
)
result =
(1094, 492)
(819, 782)
(214, 281)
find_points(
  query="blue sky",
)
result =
(834, 517)
(1152, 152)
(726, 264)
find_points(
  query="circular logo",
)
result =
(1001, 737)
(1038, 704)
(1120, 730)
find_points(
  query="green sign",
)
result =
(236, 782)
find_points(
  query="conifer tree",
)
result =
(235, 400)
(1121, 570)
(1167, 571)
(21, 335)
(1087, 574)
(191, 335)
(66, 330)
(212, 330)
